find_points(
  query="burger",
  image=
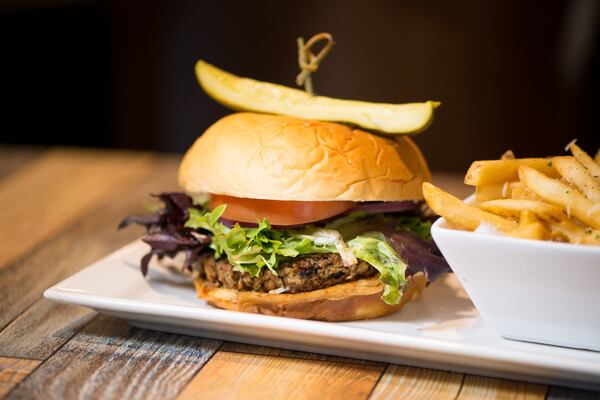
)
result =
(300, 218)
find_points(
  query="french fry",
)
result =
(591, 236)
(461, 214)
(528, 217)
(491, 192)
(577, 176)
(554, 198)
(535, 231)
(565, 231)
(555, 192)
(530, 227)
(518, 191)
(587, 161)
(499, 171)
(511, 208)
(574, 233)
(508, 155)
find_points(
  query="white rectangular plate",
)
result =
(442, 330)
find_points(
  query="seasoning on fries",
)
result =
(588, 162)
(554, 198)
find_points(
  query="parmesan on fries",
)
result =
(576, 175)
(556, 192)
(556, 198)
(588, 162)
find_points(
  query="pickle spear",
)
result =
(246, 94)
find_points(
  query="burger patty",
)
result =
(300, 274)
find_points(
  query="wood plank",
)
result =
(42, 329)
(13, 371)
(57, 188)
(234, 347)
(85, 241)
(13, 157)
(109, 359)
(248, 376)
(562, 393)
(481, 388)
(401, 382)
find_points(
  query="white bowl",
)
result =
(528, 290)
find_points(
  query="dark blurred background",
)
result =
(510, 74)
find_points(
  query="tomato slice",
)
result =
(278, 212)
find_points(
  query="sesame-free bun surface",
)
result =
(271, 157)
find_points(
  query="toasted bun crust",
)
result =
(272, 157)
(351, 301)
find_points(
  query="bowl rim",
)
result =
(441, 225)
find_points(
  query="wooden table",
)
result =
(59, 209)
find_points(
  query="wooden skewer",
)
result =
(308, 61)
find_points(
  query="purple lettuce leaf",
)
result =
(384, 207)
(166, 233)
(421, 255)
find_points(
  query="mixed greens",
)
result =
(395, 244)
(251, 249)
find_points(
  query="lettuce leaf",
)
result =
(330, 237)
(395, 245)
(420, 255)
(374, 249)
(358, 222)
(252, 249)
(416, 225)
(165, 231)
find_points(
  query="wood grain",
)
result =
(248, 376)
(42, 329)
(61, 208)
(273, 351)
(57, 188)
(13, 371)
(481, 388)
(109, 359)
(401, 382)
(92, 237)
(13, 157)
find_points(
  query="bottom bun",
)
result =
(351, 301)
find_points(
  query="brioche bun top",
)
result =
(272, 157)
